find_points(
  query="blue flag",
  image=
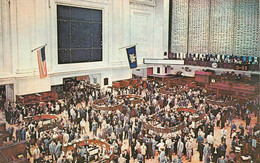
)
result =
(131, 55)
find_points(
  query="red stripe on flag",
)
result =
(41, 65)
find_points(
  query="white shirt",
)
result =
(57, 107)
(121, 160)
(65, 138)
(82, 123)
(210, 139)
(168, 143)
(223, 132)
(218, 117)
(160, 146)
(36, 153)
(143, 149)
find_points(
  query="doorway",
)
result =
(6, 94)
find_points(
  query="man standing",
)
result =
(221, 160)
(171, 150)
(149, 148)
(168, 145)
(200, 149)
(52, 148)
(199, 140)
(189, 147)
(223, 133)
(36, 154)
(180, 148)
(121, 159)
(206, 152)
(94, 128)
(126, 156)
(143, 151)
(162, 156)
(210, 140)
(58, 149)
(218, 117)
(82, 126)
(65, 138)
(233, 128)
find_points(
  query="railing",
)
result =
(243, 67)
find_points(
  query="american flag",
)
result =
(42, 62)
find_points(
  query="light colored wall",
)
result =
(27, 24)
(142, 72)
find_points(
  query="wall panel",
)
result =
(246, 27)
(221, 26)
(141, 33)
(1, 40)
(199, 26)
(179, 26)
(215, 27)
(23, 37)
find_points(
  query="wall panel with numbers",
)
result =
(179, 26)
(199, 26)
(221, 26)
(246, 27)
(215, 27)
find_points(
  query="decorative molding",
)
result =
(94, 1)
(141, 30)
(148, 3)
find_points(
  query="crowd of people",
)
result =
(218, 58)
(125, 130)
(246, 63)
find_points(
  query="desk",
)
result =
(84, 142)
(40, 117)
(11, 151)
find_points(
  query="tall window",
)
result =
(158, 70)
(79, 34)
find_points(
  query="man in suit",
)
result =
(121, 159)
(58, 149)
(11, 131)
(126, 156)
(36, 154)
(221, 160)
(52, 148)
(139, 157)
(162, 156)
(180, 147)
(149, 148)
(199, 140)
(94, 128)
(206, 152)
(200, 149)
(189, 147)
(171, 150)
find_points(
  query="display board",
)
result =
(79, 34)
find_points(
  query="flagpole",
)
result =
(38, 47)
(127, 46)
